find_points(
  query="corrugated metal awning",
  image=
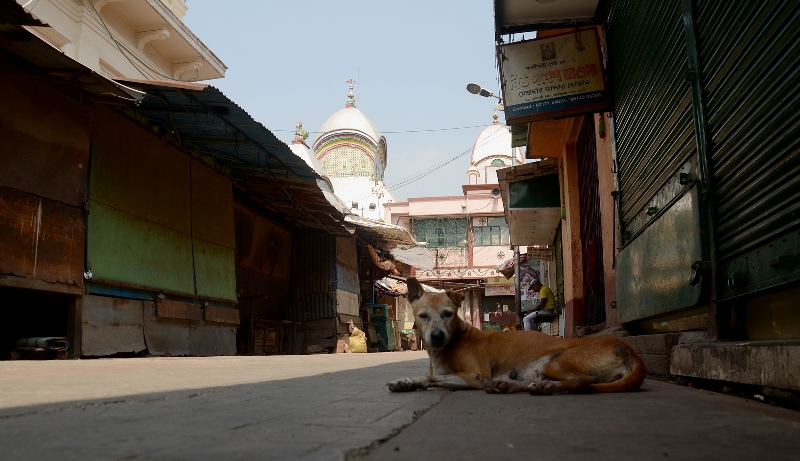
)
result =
(388, 232)
(396, 286)
(196, 117)
(270, 176)
(517, 16)
(24, 51)
(397, 240)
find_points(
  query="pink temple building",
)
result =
(468, 233)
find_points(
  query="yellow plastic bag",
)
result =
(358, 341)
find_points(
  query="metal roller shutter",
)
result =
(652, 103)
(750, 59)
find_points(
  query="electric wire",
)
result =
(405, 131)
(416, 177)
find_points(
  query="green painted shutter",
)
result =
(652, 104)
(750, 58)
(659, 210)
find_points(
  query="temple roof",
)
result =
(494, 141)
(349, 119)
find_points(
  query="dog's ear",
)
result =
(457, 298)
(415, 289)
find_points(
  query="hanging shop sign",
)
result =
(498, 289)
(540, 254)
(557, 76)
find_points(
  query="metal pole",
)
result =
(517, 294)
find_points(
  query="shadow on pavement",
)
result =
(313, 417)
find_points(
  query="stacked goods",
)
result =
(46, 343)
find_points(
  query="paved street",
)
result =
(329, 407)
(277, 407)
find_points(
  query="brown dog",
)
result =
(463, 357)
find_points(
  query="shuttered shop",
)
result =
(158, 220)
(314, 277)
(652, 102)
(659, 210)
(750, 59)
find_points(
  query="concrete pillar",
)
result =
(608, 217)
(571, 232)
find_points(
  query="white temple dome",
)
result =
(352, 151)
(349, 119)
(494, 142)
(349, 145)
(492, 151)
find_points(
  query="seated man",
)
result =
(547, 303)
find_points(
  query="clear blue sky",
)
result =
(289, 61)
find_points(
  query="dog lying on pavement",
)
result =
(463, 357)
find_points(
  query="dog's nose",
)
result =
(437, 338)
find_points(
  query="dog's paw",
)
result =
(497, 386)
(542, 387)
(406, 385)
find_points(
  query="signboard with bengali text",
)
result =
(556, 76)
(499, 289)
(540, 254)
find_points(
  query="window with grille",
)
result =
(440, 232)
(493, 234)
(347, 161)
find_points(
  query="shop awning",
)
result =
(397, 240)
(419, 257)
(395, 286)
(388, 232)
(507, 267)
(27, 52)
(270, 177)
(532, 202)
(516, 16)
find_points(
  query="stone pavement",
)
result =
(278, 407)
(333, 407)
(660, 421)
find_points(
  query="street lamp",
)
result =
(474, 88)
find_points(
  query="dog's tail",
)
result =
(628, 382)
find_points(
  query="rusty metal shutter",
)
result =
(313, 280)
(652, 103)
(750, 57)
(591, 231)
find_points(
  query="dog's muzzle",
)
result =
(438, 338)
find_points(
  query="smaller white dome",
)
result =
(493, 142)
(300, 149)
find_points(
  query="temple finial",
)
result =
(300, 134)
(351, 99)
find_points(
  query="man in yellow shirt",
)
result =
(547, 303)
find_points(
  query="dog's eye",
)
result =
(447, 314)
(423, 316)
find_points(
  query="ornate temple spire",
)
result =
(351, 99)
(300, 134)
